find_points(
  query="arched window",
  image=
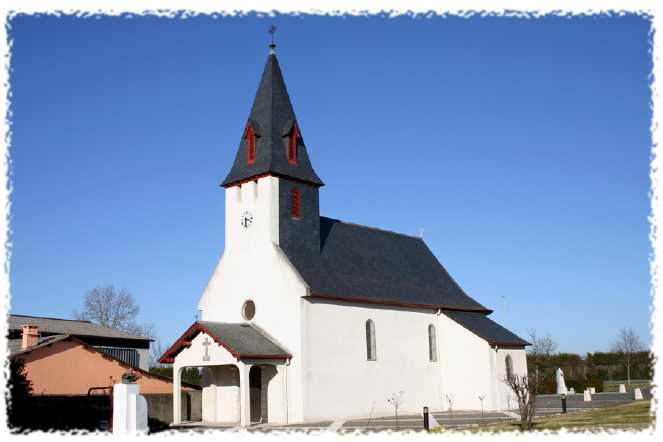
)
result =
(293, 138)
(250, 138)
(509, 366)
(370, 341)
(296, 203)
(432, 344)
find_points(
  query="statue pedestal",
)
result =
(129, 410)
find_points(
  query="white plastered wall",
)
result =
(342, 383)
(253, 267)
(506, 398)
(468, 369)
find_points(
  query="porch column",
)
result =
(282, 376)
(177, 394)
(244, 395)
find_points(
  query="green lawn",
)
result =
(633, 416)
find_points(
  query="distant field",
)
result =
(633, 416)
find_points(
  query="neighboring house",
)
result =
(310, 318)
(131, 349)
(65, 357)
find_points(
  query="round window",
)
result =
(249, 310)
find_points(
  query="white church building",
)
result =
(308, 318)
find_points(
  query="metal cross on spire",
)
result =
(272, 30)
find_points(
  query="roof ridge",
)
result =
(380, 229)
(53, 319)
(217, 322)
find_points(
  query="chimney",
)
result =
(30, 336)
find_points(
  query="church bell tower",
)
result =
(272, 191)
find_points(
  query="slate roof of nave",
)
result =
(365, 263)
(486, 328)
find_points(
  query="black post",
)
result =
(563, 403)
(426, 422)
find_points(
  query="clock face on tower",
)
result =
(247, 219)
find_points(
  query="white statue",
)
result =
(561, 385)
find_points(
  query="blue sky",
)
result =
(521, 147)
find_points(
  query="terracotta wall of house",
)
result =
(69, 367)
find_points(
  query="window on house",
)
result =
(250, 138)
(432, 344)
(293, 139)
(296, 203)
(370, 341)
(509, 366)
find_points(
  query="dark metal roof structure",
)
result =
(15, 348)
(56, 326)
(272, 118)
(241, 340)
(367, 264)
(486, 329)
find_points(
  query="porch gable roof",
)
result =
(240, 340)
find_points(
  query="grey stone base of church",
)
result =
(546, 405)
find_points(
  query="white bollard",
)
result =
(622, 388)
(637, 394)
(592, 390)
(587, 396)
(129, 410)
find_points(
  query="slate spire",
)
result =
(271, 142)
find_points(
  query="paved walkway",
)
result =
(546, 405)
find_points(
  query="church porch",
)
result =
(244, 374)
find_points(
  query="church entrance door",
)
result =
(255, 393)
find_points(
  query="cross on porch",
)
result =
(206, 343)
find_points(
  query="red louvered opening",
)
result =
(250, 137)
(296, 203)
(292, 144)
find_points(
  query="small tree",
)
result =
(541, 346)
(526, 387)
(627, 343)
(156, 346)
(156, 350)
(540, 353)
(396, 399)
(105, 306)
(450, 401)
(481, 398)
